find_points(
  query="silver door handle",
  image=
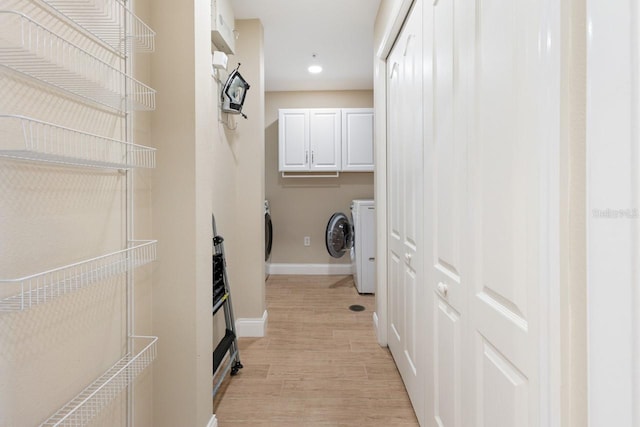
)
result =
(372, 259)
(306, 157)
(312, 157)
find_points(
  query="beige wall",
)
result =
(204, 167)
(302, 207)
(246, 261)
(180, 190)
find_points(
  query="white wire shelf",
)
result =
(94, 398)
(30, 139)
(107, 20)
(30, 291)
(30, 49)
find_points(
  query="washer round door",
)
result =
(339, 235)
(268, 236)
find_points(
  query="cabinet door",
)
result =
(325, 139)
(293, 134)
(357, 139)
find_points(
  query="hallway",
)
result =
(318, 365)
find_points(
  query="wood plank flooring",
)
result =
(318, 365)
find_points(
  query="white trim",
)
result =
(375, 322)
(392, 28)
(252, 327)
(213, 422)
(311, 269)
(398, 15)
(613, 333)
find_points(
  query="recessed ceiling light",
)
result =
(314, 68)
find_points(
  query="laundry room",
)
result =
(483, 164)
(302, 202)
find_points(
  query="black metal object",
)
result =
(222, 299)
(356, 307)
(218, 281)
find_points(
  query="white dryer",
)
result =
(355, 234)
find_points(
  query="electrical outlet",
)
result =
(307, 241)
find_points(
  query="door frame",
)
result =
(613, 201)
(550, 157)
(399, 12)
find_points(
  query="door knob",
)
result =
(443, 289)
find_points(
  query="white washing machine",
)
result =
(355, 234)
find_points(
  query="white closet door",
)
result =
(487, 200)
(516, 125)
(406, 258)
(446, 214)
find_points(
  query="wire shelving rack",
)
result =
(31, 49)
(30, 291)
(109, 21)
(31, 139)
(90, 401)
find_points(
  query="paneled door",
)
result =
(446, 209)
(515, 128)
(489, 185)
(405, 191)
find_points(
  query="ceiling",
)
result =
(339, 32)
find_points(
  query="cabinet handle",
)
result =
(312, 158)
(306, 156)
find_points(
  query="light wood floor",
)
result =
(318, 365)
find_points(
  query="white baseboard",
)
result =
(311, 269)
(375, 322)
(213, 422)
(251, 327)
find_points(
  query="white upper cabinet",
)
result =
(309, 140)
(325, 140)
(357, 139)
(293, 136)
